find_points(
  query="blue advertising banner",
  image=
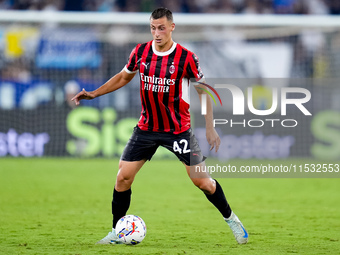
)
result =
(30, 95)
(68, 48)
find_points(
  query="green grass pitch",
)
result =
(63, 206)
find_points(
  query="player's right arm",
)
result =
(116, 82)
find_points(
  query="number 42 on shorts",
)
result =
(181, 146)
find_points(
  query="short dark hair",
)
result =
(161, 12)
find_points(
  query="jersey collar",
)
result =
(163, 53)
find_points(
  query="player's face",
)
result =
(161, 30)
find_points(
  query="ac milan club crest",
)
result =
(172, 68)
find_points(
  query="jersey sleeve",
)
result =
(194, 69)
(131, 66)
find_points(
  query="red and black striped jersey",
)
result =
(164, 86)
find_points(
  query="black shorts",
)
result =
(143, 145)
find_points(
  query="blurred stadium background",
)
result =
(56, 202)
(49, 50)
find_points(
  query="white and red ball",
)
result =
(131, 229)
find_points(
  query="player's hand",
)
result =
(82, 95)
(213, 138)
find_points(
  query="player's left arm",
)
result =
(194, 71)
(211, 134)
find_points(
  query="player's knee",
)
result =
(206, 185)
(124, 180)
(123, 184)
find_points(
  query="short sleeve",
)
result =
(194, 69)
(131, 66)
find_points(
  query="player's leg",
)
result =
(214, 193)
(121, 196)
(139, 148)
(185, 147)
(122, 190)
(211, 188)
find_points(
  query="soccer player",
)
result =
(165, 68)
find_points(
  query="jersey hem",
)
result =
(169, 132)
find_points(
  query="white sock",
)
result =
(231, 215)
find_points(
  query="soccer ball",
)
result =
(131, 229)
